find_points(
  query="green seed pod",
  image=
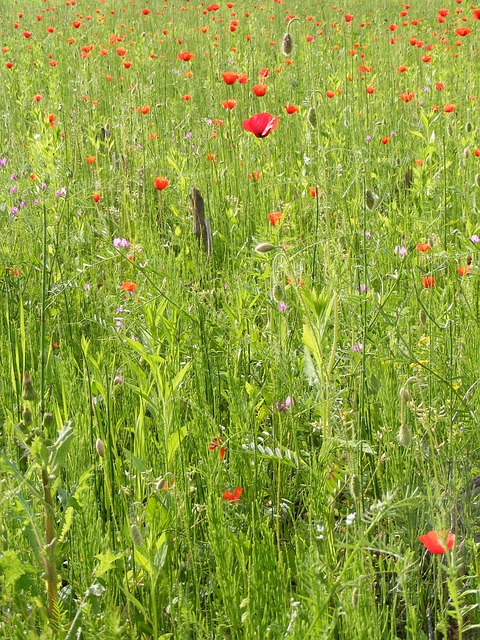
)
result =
(404, 436)
(286, 45)
(28, 392)
(477, 179)
(422, 317)
(312, 117)
(468, 127)
(404, 395)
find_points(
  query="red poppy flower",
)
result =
(9, 65)
(233, 496)
(129, 286)
(330, 94)
(185, 56)
(96, 197)
(259, 89)
(145, 12)
(218, 442)
(290, 108)
(230, 77)
(261, 124)
(213, 7)
(121, 51)
(37, 97)
(406, 97)
(463, 271)
(385, 140)
(348, 17)
(27, 34)
(161, 183)
(438, 542)
(463, 31)
(76, 24)
(423, 247)
(449, 108)
(426, 58)
(143, 110)
(370, 90)
(428, 282)
(243, 78)
(229, 104)
(402, 69)
(263, 73)
(91, 159)
(439, 86)
(275, 218)
(476, 14)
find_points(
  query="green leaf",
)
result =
(174, 441)
(107, 562)
(12, 568)
(39, 452)
(61, 448)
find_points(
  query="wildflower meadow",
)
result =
(239, 320)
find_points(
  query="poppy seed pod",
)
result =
(286, 45)
(312, 117)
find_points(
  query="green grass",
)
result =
(343, 390)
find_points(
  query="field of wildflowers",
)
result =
(240, 320)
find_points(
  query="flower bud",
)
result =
(286, 45)
(28, 392)
(312, 117)
(136, 535)
(404, 436)
(48, 419)
(404, 395)
(264, 247)
(100, 447)
(27, 417)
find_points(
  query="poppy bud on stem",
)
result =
(286, 45)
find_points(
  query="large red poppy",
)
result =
(260, 124)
